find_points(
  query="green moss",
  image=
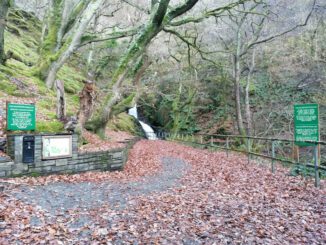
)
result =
(72, 79)
(25, 53)
(7, 87)
(47, 104)
(49, 126)
(34, 174)
(124, 122)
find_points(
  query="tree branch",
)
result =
(270, 38)
(181, 9)
(140, 8)
(110, 36)
(215, 12)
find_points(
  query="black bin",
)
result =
(28, 149)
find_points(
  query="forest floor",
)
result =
(167, 194)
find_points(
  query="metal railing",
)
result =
(275, 149)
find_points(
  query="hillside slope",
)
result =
(19, 85)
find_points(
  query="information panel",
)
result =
(306, 124)
(54, 147)
(20, 116)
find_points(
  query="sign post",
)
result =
(306, 128)
(21, 117)
(306, 125)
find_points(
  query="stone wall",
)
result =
(79, 162)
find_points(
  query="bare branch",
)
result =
(217, 12)
(270, 38)
(140, 8)
(111, 35)
(181, 9)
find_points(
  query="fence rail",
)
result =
(247, 145)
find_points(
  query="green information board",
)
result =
(20, 116)
(306, 124)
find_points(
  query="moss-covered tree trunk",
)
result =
(55, 50)
(136, 49)
(160, 17)
(4, 6)
(237, 77)
(47, 53)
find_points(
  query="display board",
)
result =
(21, 116)
(306, 124)
(58, 146)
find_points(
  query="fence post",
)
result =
(212, 145)
(248, 149)
(317, 181)
(273, 156)
(201, 139)
(227, 146)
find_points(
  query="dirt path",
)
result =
(57, 198)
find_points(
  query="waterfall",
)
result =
(149, 132)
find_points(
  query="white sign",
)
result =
(54, 147)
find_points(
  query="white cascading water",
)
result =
(150, 134)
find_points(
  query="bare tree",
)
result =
(247, 25)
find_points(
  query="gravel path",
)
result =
(58, 198)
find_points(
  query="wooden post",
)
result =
(248, 149)
(273, 156)
(227, 146)
(317, 180)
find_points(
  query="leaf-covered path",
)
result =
(167, 194)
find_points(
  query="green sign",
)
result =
(21, 116)
(306, 125)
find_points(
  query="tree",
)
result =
(247, 27)
(162, 17)
(66, 25)
(4, 6)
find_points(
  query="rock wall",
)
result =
(79, 162)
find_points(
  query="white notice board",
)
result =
(58, 146)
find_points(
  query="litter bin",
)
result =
(28, 149)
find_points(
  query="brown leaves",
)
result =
(219, 200)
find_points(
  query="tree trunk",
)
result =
(136, 49)
(75, 41)
(159, 17)
(61, 101)
(86, 102)
(49, 40)
(4, 6)
(240, 125)
(101, 122)
(247, 95)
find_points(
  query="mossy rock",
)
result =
(127, 123)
